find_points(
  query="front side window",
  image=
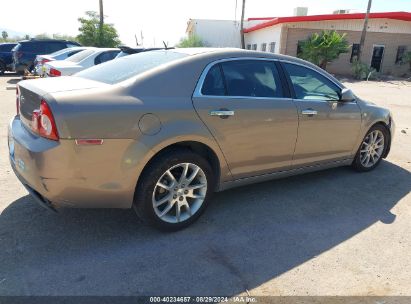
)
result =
(213, 84)
(253, 78)
(311, 85)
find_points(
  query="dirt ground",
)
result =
(335, 232)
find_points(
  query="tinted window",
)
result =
(213, 83)
(54, 46)
(309, 84)
(129, 66)
(105, 56)
(6, 47)
(34, 47)
(255, 78)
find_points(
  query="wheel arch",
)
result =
(388, 129)
(209, 153)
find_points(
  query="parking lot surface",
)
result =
(335, 232)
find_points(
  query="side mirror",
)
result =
(347, 95)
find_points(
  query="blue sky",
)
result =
(163, 19)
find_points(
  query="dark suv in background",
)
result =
(6, 60)
(26, 51)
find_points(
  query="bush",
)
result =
(363, 71)
(324, 47)
(190, 41)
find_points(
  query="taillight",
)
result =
(43, 123)
(54, 72)
(17, 100)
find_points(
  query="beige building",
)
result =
(388, 38)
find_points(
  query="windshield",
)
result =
(126, 67)
(80, 56)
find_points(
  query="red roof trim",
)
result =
(260, 18)
(405, 16)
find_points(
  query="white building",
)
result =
(216, 33)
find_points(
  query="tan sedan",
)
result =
(160, 131)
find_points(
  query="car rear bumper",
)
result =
(63, 174)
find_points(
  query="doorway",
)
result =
(377, 56)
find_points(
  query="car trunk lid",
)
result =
(31, 92)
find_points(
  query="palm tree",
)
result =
(323, 48)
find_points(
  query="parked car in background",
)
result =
(6, 58)
(80, 61)
(126, 50)
(25, 52)
(39, 68)
(160, 131)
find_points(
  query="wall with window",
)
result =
(266, 36)
(342, 65)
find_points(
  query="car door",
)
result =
(247, 108)
(328, 128)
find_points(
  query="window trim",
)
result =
(285, 86)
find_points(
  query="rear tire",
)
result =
(174, 190)
(372, 149)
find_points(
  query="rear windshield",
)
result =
(126, 67)
(60, 52)
(80, 56)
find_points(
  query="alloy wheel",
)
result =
(179, 193)
(372, 148)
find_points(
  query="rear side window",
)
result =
(311, 85)
(253, 78)
(213, 84)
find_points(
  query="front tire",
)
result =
(174, 190)
(372, 149)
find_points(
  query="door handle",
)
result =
(309, 112)
(223, 113)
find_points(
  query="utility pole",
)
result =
(364, 30)
(242, 26)
(101, 21)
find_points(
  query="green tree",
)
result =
(90, 34)
(190, 41)
(322, 48)
(5, 35)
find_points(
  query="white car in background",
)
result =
(80, 61)
(39, 68)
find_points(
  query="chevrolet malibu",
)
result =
(161, 131)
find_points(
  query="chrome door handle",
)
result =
(309, 112)
(221, 113)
